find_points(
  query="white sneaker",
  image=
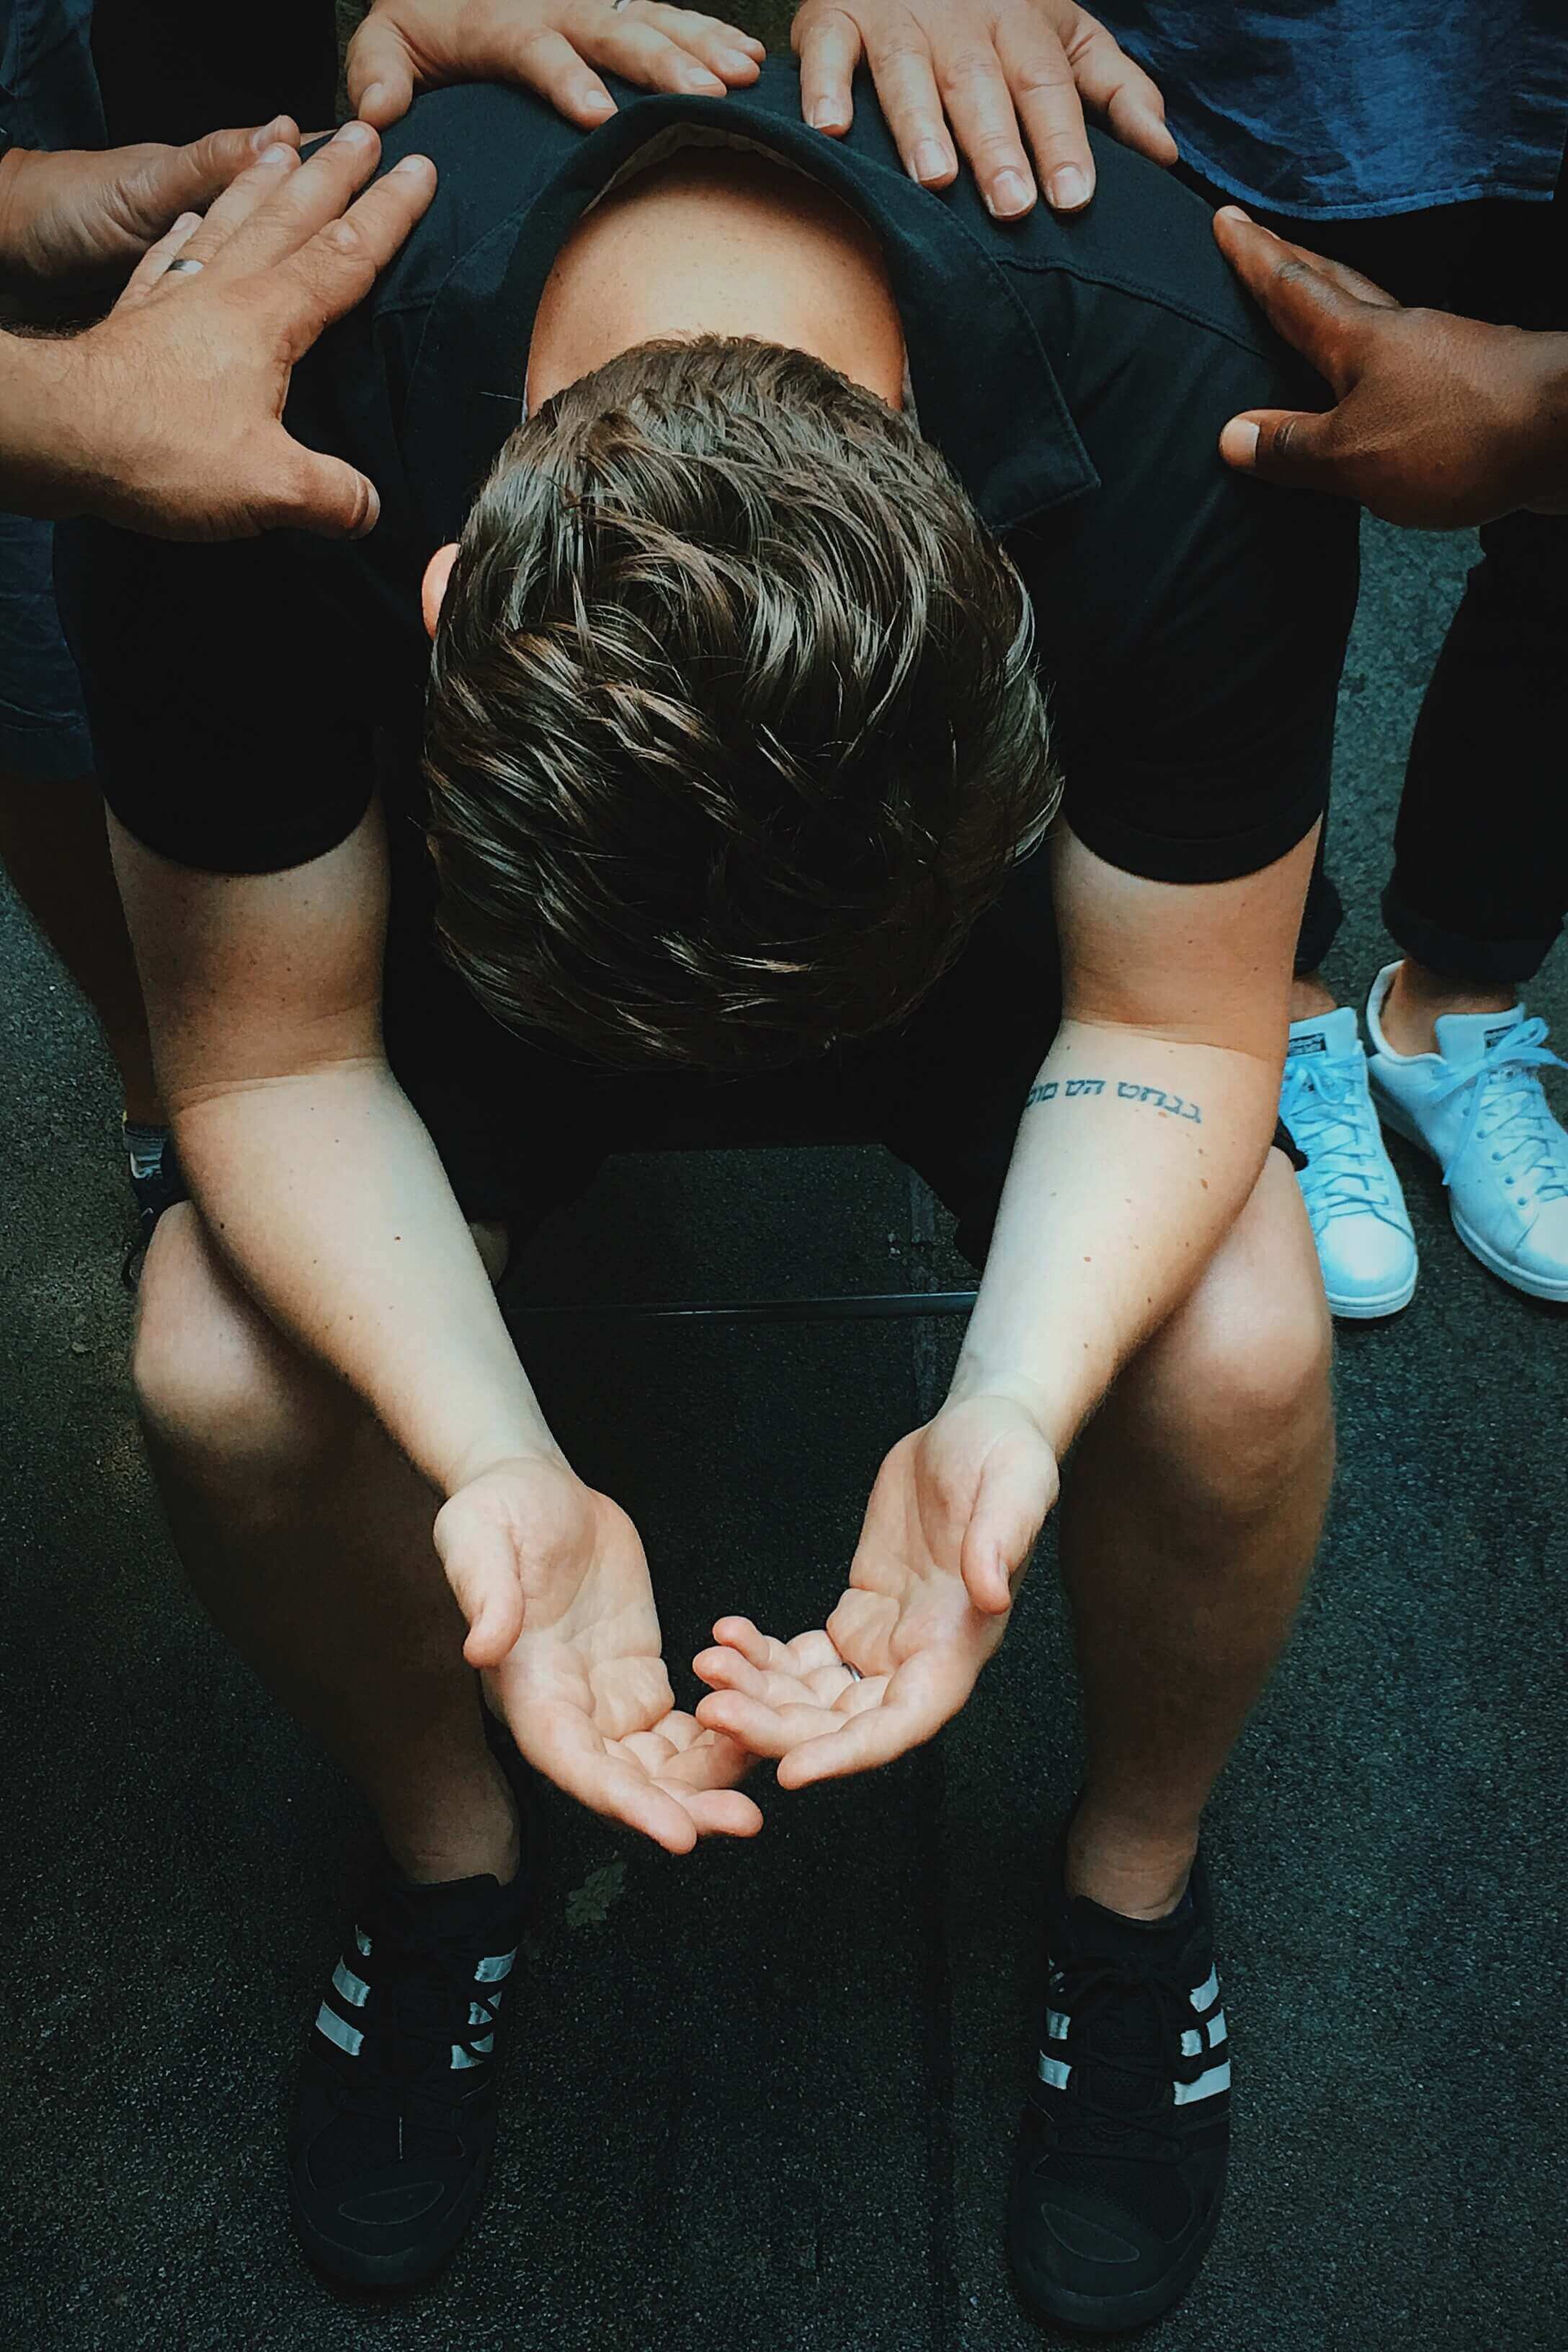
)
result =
(1477, 1106)
(1365, 1245)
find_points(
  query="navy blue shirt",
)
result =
(1350, 110)
(1076, 373)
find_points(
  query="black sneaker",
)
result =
(1121, 2170)
(394, 2114)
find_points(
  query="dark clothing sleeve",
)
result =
(223, 687)
(1192, 621)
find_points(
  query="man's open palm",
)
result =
(553, 1581)
(951, 1523)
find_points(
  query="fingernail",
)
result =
(375, 96)
(278, 155)
(702, 84)
(411, 164)
(1070, 190)
(1011, 193)
(828, 115)
(930, 161)
(1243, 437)
(598, 101)
(357, 134)
(268, 132)
(1233, 212)
(735, 61)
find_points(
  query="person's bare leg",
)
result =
(1311, 996)
(309, 1541)
(1417, 998)
(54, 848)
(1190, 1518)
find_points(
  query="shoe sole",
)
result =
(1369, 1310)
(1533, 1286)
(1091, 2315)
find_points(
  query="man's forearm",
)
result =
(327, 1197)
(1134, 1158)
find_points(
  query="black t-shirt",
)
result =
(1075, 374)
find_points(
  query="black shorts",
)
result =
(521, 1129)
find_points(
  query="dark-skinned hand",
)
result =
(1438, 422)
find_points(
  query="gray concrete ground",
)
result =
(764, 2097)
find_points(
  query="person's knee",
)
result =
(1240, 1391)
(222, 1396)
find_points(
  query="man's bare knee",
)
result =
(222, 1395)
(1236, 1391)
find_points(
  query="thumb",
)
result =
(1284, 445)
(481, 1569)
(175, 180)
(1017, 1488)
(322, 494)
(380, 74)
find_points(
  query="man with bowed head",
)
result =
(744, 580)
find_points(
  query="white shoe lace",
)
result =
(1329, 1112)
(1509, 1112)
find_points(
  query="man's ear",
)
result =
(432, 594)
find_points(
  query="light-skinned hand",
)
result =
(952, 1521)
(76, 219)
(553, 1580)
(553, 47)
(1004, 83)
(167, 416)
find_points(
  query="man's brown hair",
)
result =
(733, 727)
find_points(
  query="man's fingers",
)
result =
(1121, 91)
(306, 200)
(859, 1743)
(150, 270)
(641, 53)
(340, 264)
(380, 73)
(905, 74)
(735, 57)
(1284, 445)
(979, 106)
(723, 1812)
(194, 176)
(256, 186)
(829, 50)
(1040, 78)
(766, 1730)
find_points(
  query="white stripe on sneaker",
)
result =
(465, 2057)
(347, 2037)
(1207, 2086)
(1208, 1993)
(1217, 2029)
(1193, 2044)
(1056, 2023)
(492, 1970)
(1054, 2071)
(354, 1989)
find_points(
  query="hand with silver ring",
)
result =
(948, 1532)
(174, 403)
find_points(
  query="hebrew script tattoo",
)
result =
(1127, 1090)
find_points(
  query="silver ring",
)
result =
(191, 266)
(855, 1670)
